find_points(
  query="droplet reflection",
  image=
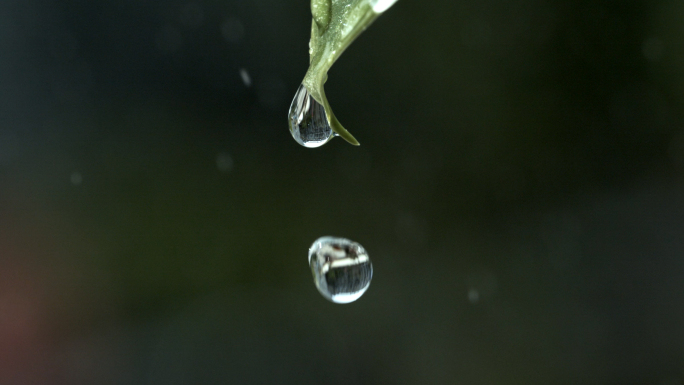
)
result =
(380, 6)
(308, 122)
(342, 270)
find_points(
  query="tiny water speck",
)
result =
(341, 269)
(652, 48)
(473, 296)
(76, 178)
(308, 121)
(232, 30)
(224, 162)
(246, 79)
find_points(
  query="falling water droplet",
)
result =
(341, 269)
(308, 122)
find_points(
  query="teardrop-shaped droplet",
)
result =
(308, 122)
(341, 269)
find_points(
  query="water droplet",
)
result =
(341, 269)
(308, 122)
(652, 49)
(232, 30)
(246, 79)
(224, 162)
(473, 295)
(76, 178)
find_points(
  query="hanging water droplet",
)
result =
(341, 269)
(308, 122)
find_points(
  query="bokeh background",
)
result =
(519, 189)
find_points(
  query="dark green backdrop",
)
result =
(518, 188)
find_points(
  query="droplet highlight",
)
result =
(308, 121)
(341, 269)
(380, 6)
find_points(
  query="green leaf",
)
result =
(335, 25)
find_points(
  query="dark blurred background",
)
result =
(519, 189)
